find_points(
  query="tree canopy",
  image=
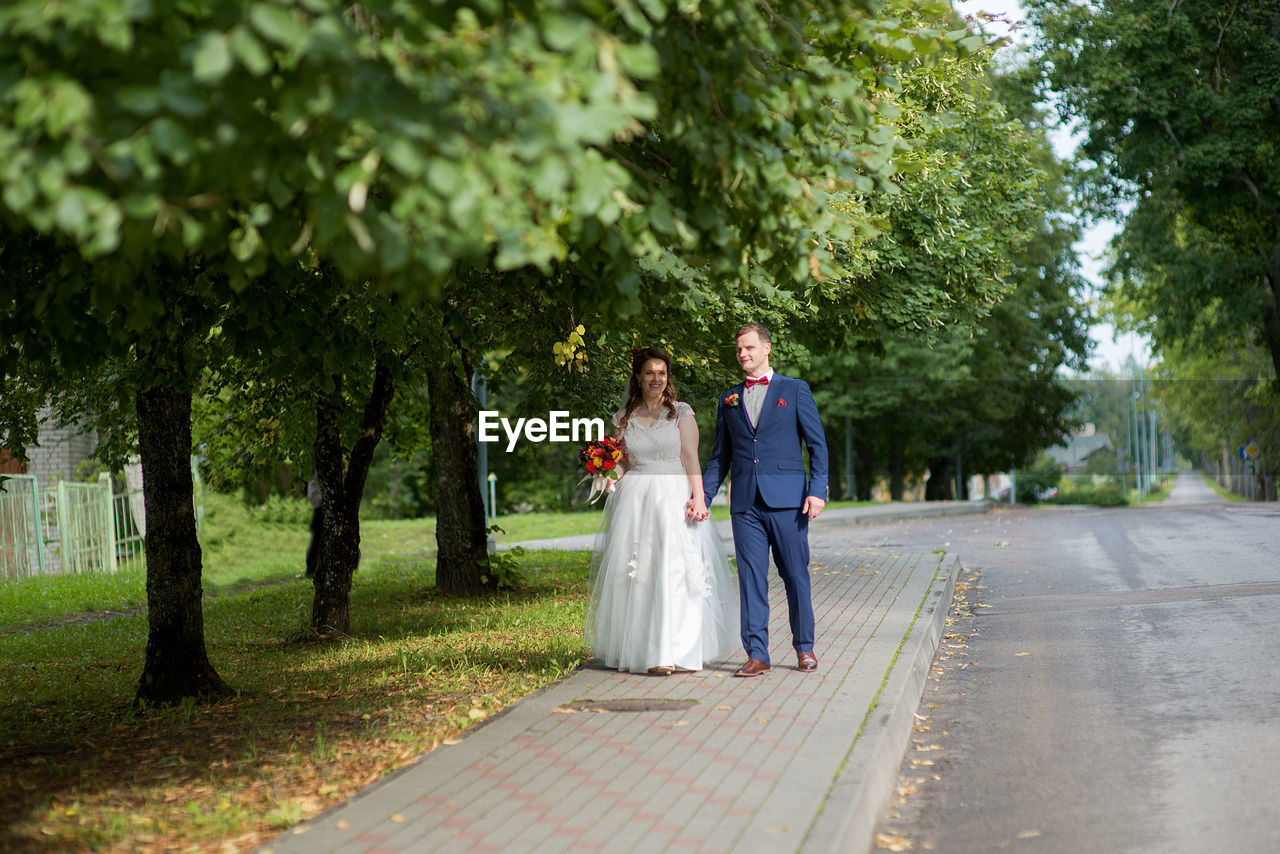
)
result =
(1179, 103)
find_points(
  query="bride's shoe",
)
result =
(664, 670)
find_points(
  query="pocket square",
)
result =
(781, 402)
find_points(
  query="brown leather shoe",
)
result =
(663, 670)
(753, 667)
(808, 662)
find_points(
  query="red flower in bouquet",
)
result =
(600, 461)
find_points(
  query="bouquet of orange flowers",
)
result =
(600, 459)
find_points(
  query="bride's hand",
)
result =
(696, 510)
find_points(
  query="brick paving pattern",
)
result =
(746, 768)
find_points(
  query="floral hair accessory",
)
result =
(732, 400)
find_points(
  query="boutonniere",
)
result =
(781, 402)
(732, 400)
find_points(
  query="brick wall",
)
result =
(60, 452)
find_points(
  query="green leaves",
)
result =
(249, 51)
(212, 58)
(278, 24)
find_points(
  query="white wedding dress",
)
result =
(662, 590)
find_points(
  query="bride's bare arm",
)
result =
(696, 506)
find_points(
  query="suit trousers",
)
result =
(756, 531)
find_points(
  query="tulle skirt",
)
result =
(662, 589)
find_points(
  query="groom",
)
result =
(760, 424)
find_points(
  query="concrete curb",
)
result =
(895, 512)
(866, 780)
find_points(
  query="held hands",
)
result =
(695, 510)
(812, 507)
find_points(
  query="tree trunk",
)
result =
(866, 470)
(897, 469)
(341, 490)
(462, 553)
(177, 664)
(850, 461)
(1271, 319)
(938, 487)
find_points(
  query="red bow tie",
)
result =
(761, 381)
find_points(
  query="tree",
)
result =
(423, 150)
(959, 374)
(218, 143)
(1220, 398)
(150, 386)
(693, 212)
(1179, 102)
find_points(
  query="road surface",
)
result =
(1114, 690)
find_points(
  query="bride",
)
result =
(663, 597)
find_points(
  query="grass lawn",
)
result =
(239, 549)
(244, 548)
(313, 722)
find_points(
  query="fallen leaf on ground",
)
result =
(892, 843)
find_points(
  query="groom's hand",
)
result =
(812, 507)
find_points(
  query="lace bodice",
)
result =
(655, 448)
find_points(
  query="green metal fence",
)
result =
(22, 553)
(76, 527)
(130, 532)
(86, 529)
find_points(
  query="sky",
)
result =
(1110, 348)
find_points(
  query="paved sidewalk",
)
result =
(787, 762)
(888, 512)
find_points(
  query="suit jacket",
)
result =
(767, 459)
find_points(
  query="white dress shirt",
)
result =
(753, 398)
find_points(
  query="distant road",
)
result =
(1190, 488)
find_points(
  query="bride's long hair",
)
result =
(635, 396)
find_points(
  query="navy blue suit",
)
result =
(768, 489)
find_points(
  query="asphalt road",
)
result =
(1110, 686)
